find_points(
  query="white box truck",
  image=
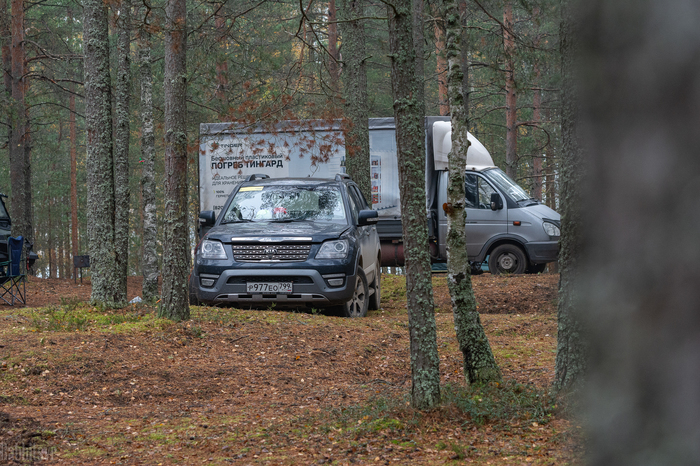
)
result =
(504, 224)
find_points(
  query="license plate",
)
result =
(269, 288)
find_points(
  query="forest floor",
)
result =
(84, 386)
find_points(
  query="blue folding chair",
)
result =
(14, 273)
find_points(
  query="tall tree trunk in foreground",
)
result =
(571, 341)
(175, 293)
(441, 68)
(100, 170)
(352, 30)
(419, 46)
(20, 143)
(6, 42)
(479, 364)
(410, 136)
(641, 109)
(511, 99)
(466, 86)
(149, 261)
(121, 149)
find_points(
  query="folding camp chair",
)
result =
(14, 273)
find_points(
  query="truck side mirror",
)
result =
(367, 217)
(496, 201)
(207, 218)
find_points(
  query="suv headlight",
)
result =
(333, 250)
(551, 229)
(212, 250)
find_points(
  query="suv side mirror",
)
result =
(496, 201)
(207, 218)
(367, 217)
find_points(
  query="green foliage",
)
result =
(500, 402)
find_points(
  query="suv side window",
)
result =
(362, 202)
(354, 205)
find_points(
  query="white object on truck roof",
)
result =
(478, 157)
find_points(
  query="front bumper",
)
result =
(308, 287)
(543, 252)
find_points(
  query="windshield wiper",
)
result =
(243, 220)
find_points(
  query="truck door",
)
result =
(482, 222)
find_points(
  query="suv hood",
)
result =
(271, 231)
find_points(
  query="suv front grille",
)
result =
(271, 252)
(297, 280)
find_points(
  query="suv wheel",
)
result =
(375, 300)
(358, 304)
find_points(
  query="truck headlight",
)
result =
(212, 250)
(551, 229)
(333, 250)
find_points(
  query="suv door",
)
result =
(367, 234)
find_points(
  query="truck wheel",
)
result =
(507, 258)
(375, 301)
(358, 304)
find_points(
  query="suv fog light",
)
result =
(207, 280)
(336, 279)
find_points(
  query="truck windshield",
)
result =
(286, 204)
(506, 185)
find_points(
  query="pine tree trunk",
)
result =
(20, 143)
(121, 150)
(571, 342)
(356, 131)
(175, 293)
(419, 46)
(6, 41)
(511, 98)
(479, 364)
(410, 136)
(100, 171)
(441, 61)
(333, 68)
(73, 136)
(149, 263)
(221, 63)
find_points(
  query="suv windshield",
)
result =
(286, 204)
(506, 185)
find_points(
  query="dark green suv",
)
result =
(293, 242)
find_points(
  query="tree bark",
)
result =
(536, 117)
(100, 170)
(511, 98)
(441, 67)
(571, 340)
(6, 40)
(149, 261)
(356, 105)
(73, 136)
(410, 136)
(479, 363)
(419, 45)
(121, 150)
(175, 293)
(333, 60)
(20, 143)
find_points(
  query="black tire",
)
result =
(194, 301)
(536, 268)
(507, 258)
(358, 304)
(375, 300)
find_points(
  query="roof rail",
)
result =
(256, 176)
(342, 176)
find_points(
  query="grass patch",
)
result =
(76, 316)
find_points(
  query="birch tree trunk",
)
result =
(149, 261)
(100, 169)
(479, 364)
(175, 293)
(410, 136)
(352, 31)
(572, 350)
(121, 149)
